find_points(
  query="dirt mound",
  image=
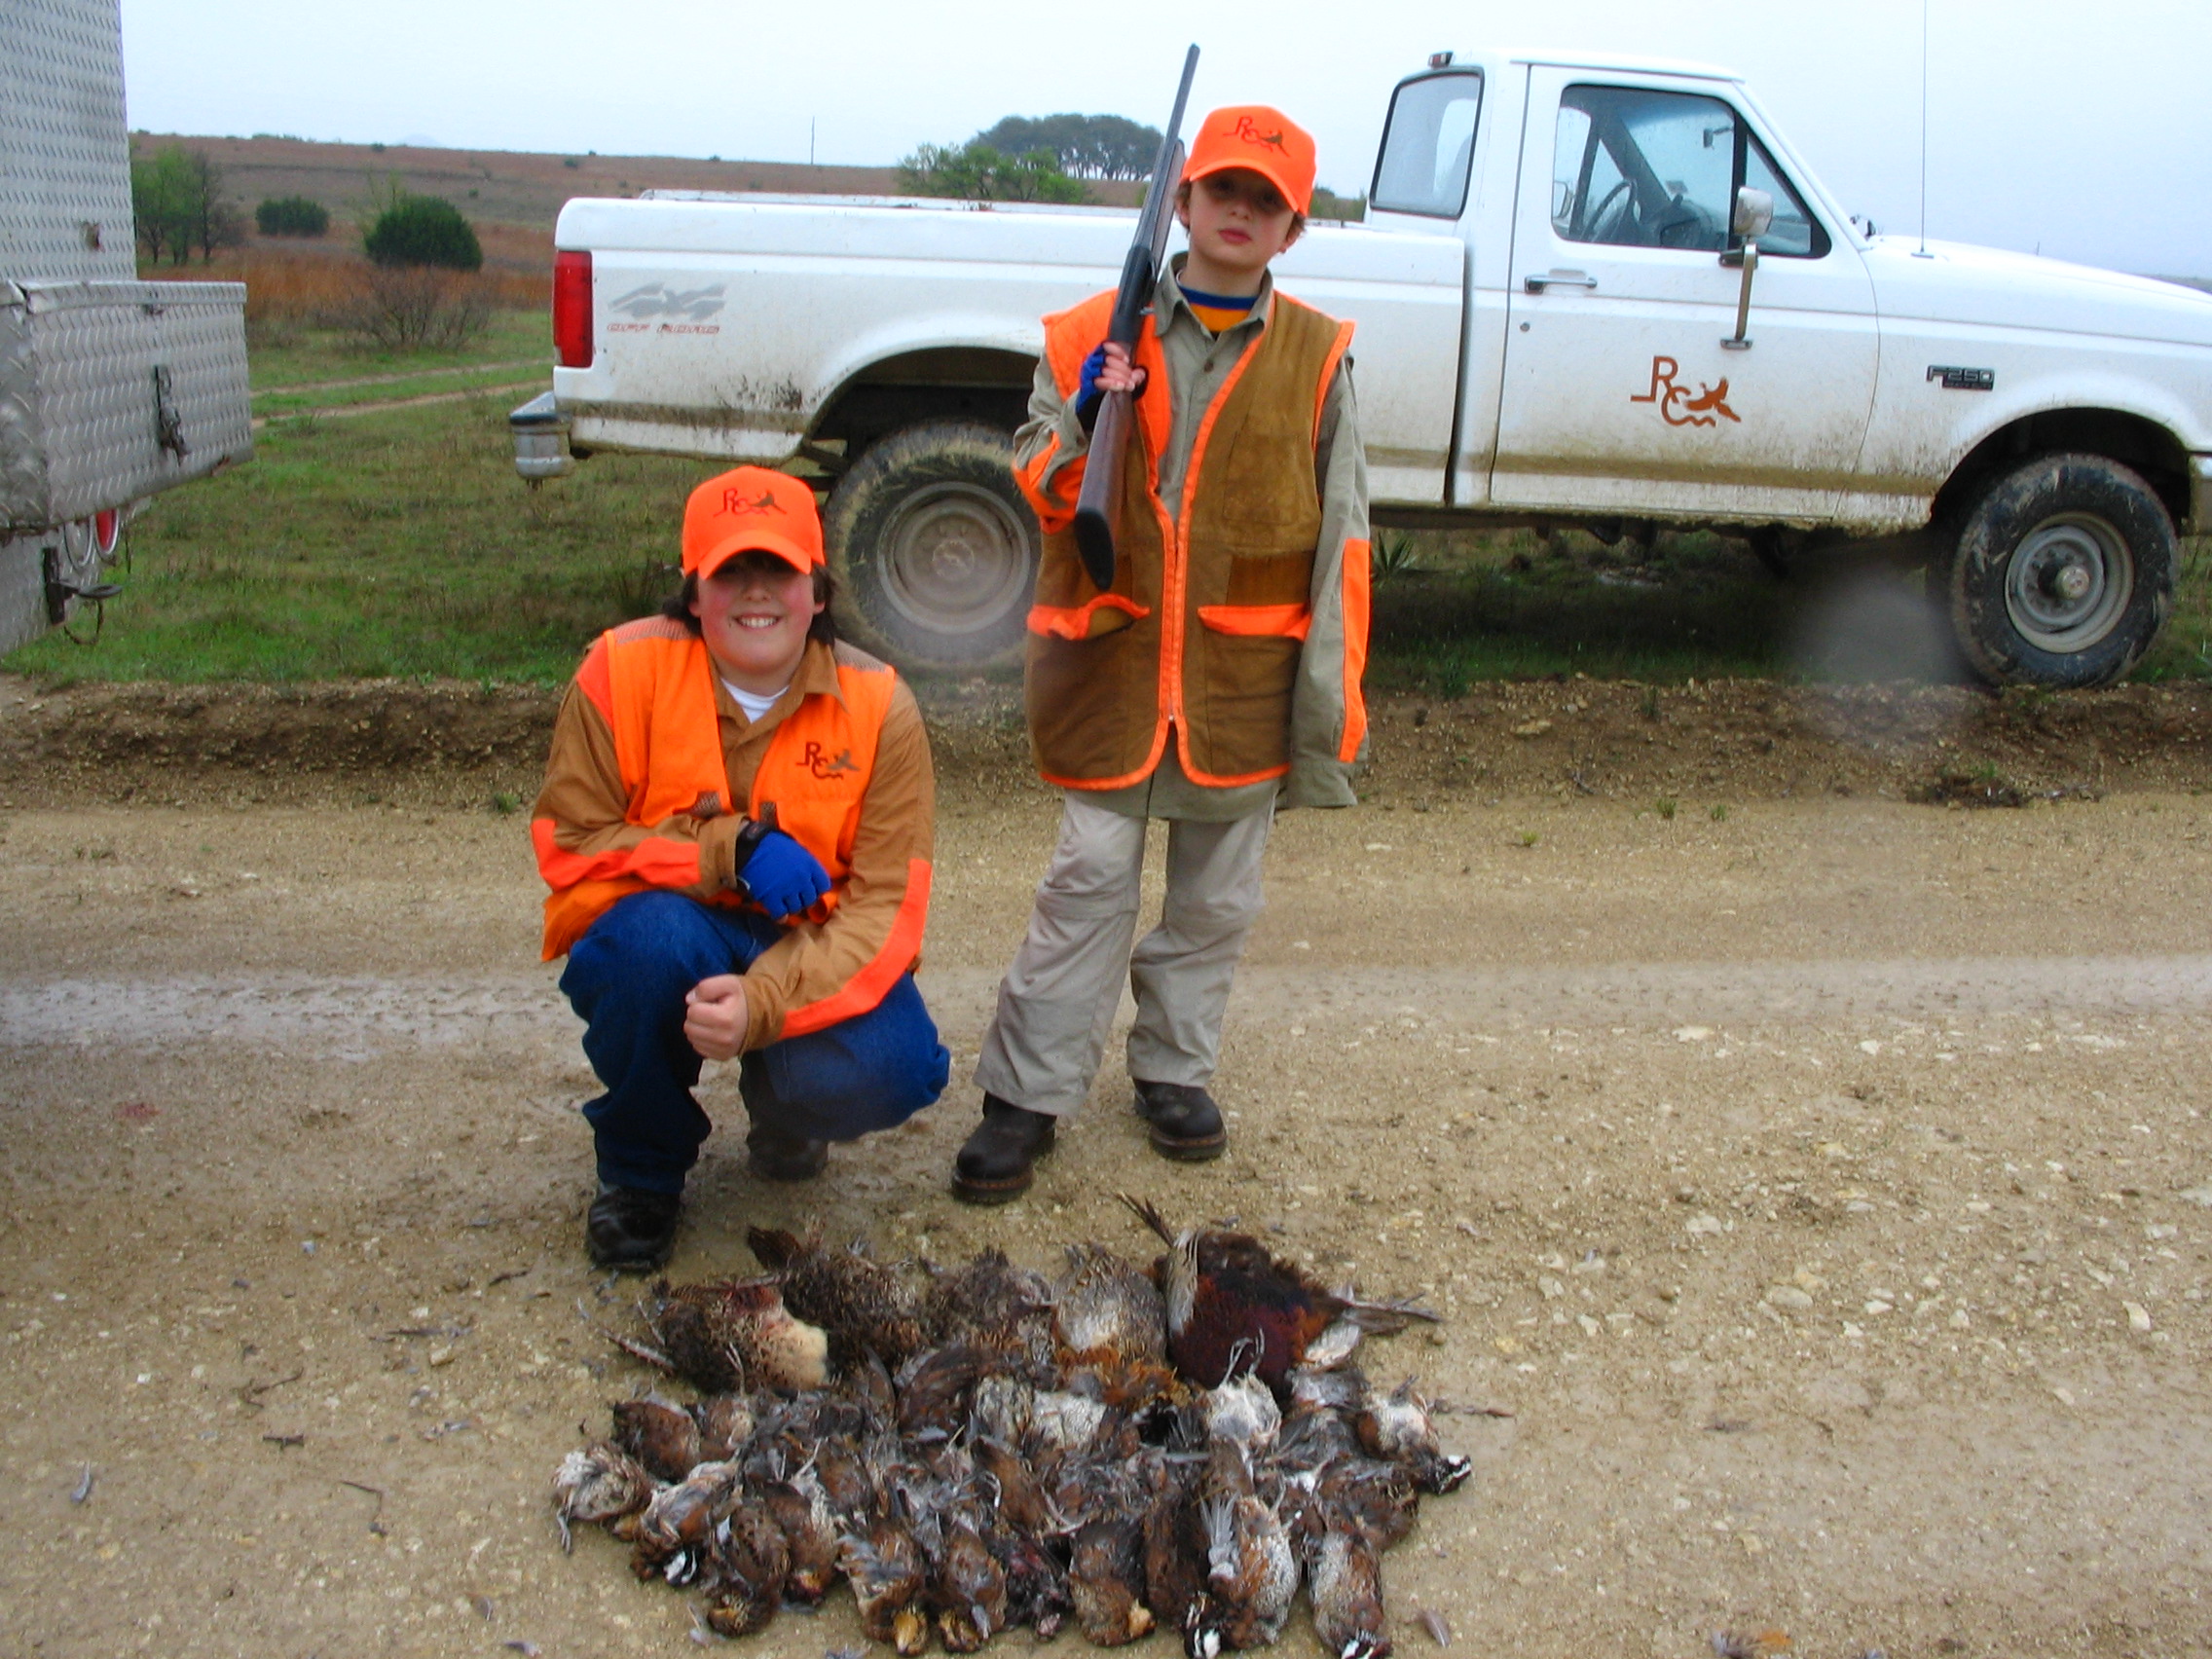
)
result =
(1720, 740)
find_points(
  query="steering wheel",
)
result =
(1595, 225)
(1687, 224)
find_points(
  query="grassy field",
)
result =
(368, 541)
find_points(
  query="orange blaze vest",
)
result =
(1202, 625)
(654, 681)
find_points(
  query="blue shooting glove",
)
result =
(778, 874)
(1086, 392)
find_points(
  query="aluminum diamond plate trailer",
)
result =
(1590, 292)
(111, 390)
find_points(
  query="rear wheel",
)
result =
(2063, 573)
(934, 546)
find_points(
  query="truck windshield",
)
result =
(1642, 168)
(1428, 145)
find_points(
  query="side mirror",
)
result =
(1754, 214)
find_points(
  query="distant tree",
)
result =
(976, 171)
(1328, 205)
(159, 201)
(291, 216)
(1087, 146)
(422, 231)
(176, 198)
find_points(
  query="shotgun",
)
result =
(1099, 504)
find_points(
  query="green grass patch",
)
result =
(303, 355)
(399, 543)
(402, 544)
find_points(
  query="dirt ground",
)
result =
(1819, 1180)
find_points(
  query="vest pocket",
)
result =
(1108, 614)
(1276, 621)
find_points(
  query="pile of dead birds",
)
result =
(1183, 1447)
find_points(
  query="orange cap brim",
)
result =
(758, 541)
(1265, 165)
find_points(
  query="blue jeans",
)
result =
(627, 976)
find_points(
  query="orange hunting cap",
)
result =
(1260, 140)
(751, 510)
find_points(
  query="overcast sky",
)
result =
(2084, 129)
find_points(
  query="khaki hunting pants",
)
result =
(1058, 1000)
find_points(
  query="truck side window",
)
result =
(1428, 144)
(1642, 168)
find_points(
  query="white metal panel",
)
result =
(64, 146)
(88, 372)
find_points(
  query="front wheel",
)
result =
(2063, 573)
(935, 545)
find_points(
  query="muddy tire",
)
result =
(935, 547)
(2062, 575)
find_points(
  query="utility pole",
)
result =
(810, 140)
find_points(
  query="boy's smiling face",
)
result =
(754, 613)
(1237, 222)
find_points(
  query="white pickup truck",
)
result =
(1557, 324)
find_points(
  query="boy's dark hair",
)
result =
(677, 607)
(1297, 219)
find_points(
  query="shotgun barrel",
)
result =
(1100, 502)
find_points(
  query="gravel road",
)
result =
(1818, 1194)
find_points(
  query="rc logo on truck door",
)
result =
(1678, 405)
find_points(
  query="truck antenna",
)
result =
(1922, 252)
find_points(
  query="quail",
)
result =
(664, 1437)
(884, 1567)
(748, 1560)
(1398, 1426)
(601, 1483)
(677, 1525)
(1106, 1581)
(1344, 1579)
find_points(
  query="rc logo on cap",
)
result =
(751, 510)
(1256, 138)
(1248, 129)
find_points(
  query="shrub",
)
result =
(411, 307)
(414, 231)
(291, 216)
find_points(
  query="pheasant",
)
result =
(864, 1306)
(1234, 1307)
(733, 1334)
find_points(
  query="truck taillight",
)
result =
(571, 309)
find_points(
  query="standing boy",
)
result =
(736, 825)
(1217, 676)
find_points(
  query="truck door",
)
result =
(1618, 395)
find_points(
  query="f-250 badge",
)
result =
(1678, 406)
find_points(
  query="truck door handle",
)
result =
(1537, 283)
